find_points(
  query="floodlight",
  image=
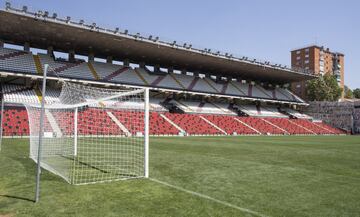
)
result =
(174, 42)
(54, 15)
(46, 13)
(24, 8)
(126, 31)
(184, 45)
(68, 19)
(150, 37)
(93, 25)
(81, 22)
(39, 13)
(156, 38)
(116, 30)
(190, 45)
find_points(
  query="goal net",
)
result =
(92, 134)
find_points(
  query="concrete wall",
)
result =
(344, 115)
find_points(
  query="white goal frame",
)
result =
(43, 107)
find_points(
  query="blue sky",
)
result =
(266, 30)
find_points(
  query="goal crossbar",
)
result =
(90, 102)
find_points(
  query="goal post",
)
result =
(40, 133)
(1, 118)
(91, 134)
(146, 132)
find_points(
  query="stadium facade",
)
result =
(193, 91)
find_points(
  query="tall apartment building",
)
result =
(318, 60)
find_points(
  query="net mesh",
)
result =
(91, 134)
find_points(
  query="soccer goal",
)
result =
(91, 134)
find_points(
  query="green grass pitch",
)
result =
(272, 176)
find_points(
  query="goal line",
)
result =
(209, 198)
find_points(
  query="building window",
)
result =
(306, 55)
(298, 51)
(306, 61)
(298, 57)
(298, 85)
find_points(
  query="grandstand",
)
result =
(208, 94)
(228, 136)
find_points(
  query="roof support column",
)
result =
(27, 47)
(1, 44)
(183, 71)
(126, 62)
(71, 56)
(157, 68)
(109, 59)
(50, 51)
(142, 65)
(170, 70)
(91, 56)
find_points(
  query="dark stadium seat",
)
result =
(261, 125)
(192, 124)
(229, 124)
(289, 126)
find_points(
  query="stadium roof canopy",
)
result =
(42, 30)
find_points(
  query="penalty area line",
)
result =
(209, 198)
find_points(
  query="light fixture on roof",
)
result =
(137, 35)
(218, 53)
(39, 13)
(126, 31)
(173, 44)
(226, 54)
(116, 30)
(150, 37)
(68, 18)
(24, 8)
(190, 45)
(81, 22)
(156, 39)
(46, 14)
(54, 15)
(7, 5)
(93, 25)
(184, 45)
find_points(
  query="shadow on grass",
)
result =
(17, 198)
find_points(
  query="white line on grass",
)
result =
(209, 198)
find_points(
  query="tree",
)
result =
(348, 92)
(323, 88)
(356, 93)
